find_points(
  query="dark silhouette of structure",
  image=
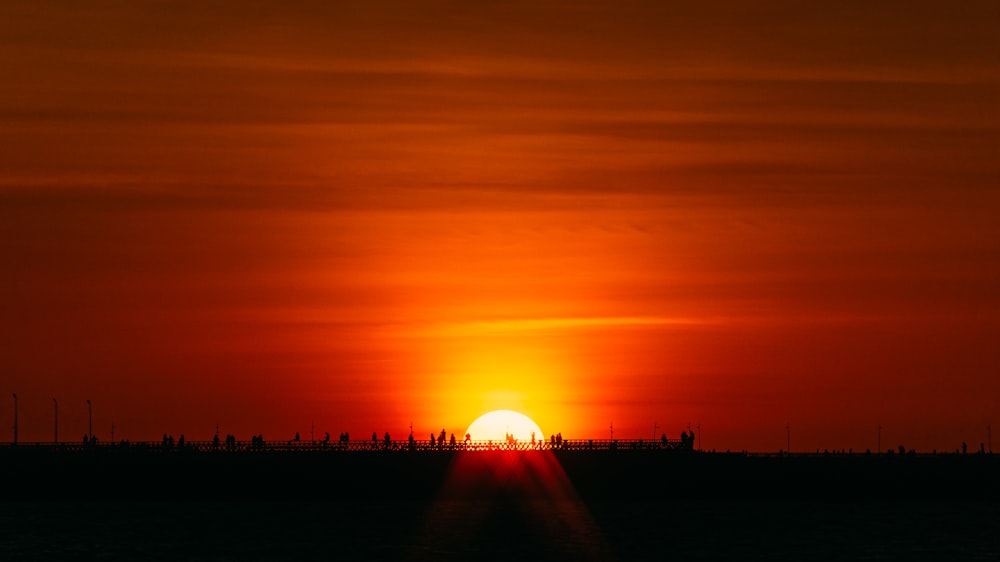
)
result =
(15, 419)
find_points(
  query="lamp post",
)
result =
(90, 421)
(55, 429)
(15, 418)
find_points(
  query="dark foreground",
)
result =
(497, 506)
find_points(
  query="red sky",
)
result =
(366, 214)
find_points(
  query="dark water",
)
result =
(499, 529)
(564, 505)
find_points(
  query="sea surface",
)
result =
(498, 528)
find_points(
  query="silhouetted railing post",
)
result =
(15, 418)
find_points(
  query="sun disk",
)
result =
(498, 424)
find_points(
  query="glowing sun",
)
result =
(496, 425)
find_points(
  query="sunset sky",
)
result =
(362, 214)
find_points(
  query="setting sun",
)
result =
(498, 424)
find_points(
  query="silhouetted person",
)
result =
(388, 440)
(412, 442)
(442, 437)
(433, 442)
(451, 441)
(532, 438)
(296, 436)
(965, 447)
(468, 437)
(559, 439)
(663, 439)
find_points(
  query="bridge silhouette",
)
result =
(365, 470)
(366, 446)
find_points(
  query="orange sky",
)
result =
(366, 214)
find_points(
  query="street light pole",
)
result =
(15, 418)
(90, 421)
(55, 429)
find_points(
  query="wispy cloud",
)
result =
(487, 327)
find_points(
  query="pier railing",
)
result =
(381, 445)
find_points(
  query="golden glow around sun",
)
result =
(496, 425)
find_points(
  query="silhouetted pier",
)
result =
(599, 470)
(368, 446)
